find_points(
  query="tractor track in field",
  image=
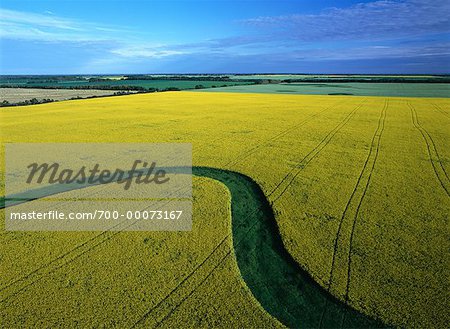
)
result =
(440, 110)
(55, 264)
(295, 297)
(59, 262)
(254, 149)
(433, 154)
(295, 171)
(378, 137)
(221, 262)
(375, 144)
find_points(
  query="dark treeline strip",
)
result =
(32, 101)
(181, 77)
(84, 87)
(44, 78)
(35, 101)
(121, 92)
(109, 87)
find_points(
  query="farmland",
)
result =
(358, 186)
(118, 83)
(346, 88)
(342, 77)
(16, 95)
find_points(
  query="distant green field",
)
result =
(338, 77)
(158, 84)
(344, 88)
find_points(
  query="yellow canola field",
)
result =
(359, 187)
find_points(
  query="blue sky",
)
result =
(113, 36)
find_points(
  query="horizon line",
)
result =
(224, 73)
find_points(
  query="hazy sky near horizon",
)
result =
(137, 36)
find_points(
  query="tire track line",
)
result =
(375, 141)
(221, 262)
(295, 171)
(433, 154)
(440, 110)
(60, 261)
(216, 266)
(178, 286)
(254, 149)
(366, 187)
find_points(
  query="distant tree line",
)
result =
(177, 77)
(32, 101)
(35, 101)
(83, 87)
(49, 78)
(108, 87)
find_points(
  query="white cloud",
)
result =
(136, 51)
(26, 19)
(367, 53)
(50, 28)
(364, 21)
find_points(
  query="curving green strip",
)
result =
(275, 279)
(280, 285)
